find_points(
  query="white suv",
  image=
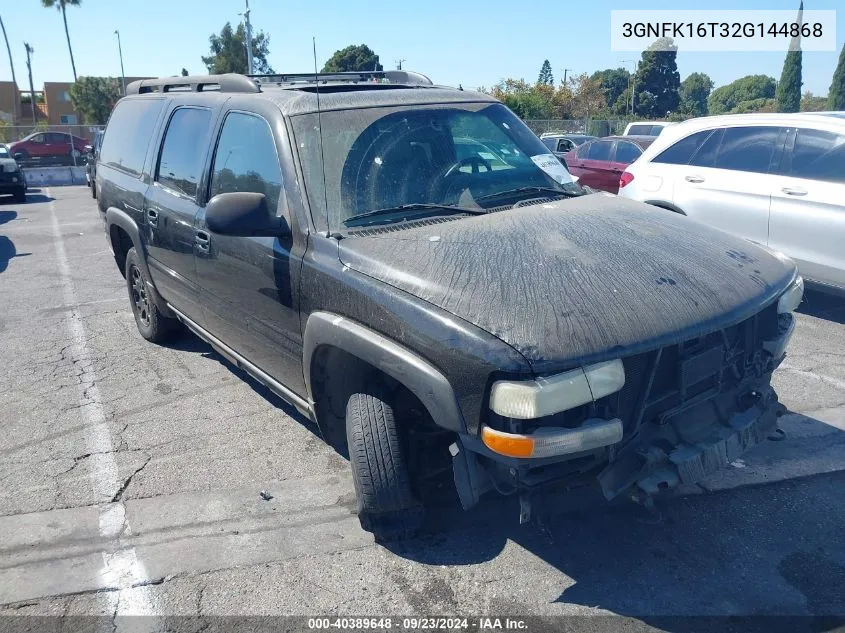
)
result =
(775, 179)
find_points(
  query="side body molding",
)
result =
(417, 374)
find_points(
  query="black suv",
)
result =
(434, 309)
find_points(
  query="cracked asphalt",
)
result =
(130, 478)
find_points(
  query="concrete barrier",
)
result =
(54, 176)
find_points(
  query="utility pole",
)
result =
(15, 97)
(632, 80)
(29, 52)
(120, 52)
(399, 64)
(566, 70)
(248, 40)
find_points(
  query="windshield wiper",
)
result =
(441, 209)
(519, 190)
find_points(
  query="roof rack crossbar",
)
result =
(364, 76)
(229, 82)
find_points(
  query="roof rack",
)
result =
(406, 77)
(229, 82)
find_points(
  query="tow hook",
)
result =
(524, 508)
(778, 435)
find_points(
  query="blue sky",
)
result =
(472, 43)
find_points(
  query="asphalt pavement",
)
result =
(130, 479)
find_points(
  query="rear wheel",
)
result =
(387, 506)
(152, 325)
(20, 195)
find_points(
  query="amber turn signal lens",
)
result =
(507, 444)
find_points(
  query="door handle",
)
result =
(203, 241)
(794, 191)
(152, 216)
(695, 179)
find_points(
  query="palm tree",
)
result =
(60, 5)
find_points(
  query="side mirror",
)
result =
(243, 214)
(88, 149)
(19, 156)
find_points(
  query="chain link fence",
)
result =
(593, 127)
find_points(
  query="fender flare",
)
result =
(119, 218)
(660, 204)
(419, 376)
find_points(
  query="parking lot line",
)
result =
(122, 568)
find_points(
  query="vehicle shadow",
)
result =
(31, 198)
(7, 216)
(823, 305)
(7, 246)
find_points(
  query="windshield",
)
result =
(456, 155)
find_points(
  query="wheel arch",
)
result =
(347, 348)
(662, 204)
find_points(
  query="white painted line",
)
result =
(121, 568)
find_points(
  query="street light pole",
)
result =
(120, 52)
(565, 70)
(248, 40)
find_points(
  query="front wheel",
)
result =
(20, 195)
(386, 504)
(152, 325)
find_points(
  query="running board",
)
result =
(301, 405)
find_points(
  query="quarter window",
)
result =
(246, 159)
(180, 165)
(818, 155)
(128, 134)
(681, 152)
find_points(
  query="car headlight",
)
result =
(531, 399)
(791, 298)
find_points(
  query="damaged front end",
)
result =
(640, 425)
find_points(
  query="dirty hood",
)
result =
(578, 279)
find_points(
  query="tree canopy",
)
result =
(546, 77)
(836, 96)
(695, 90)
(812, 103)
(657, 80)
(614, 83)
(748, 88)
(788, 93)
(94, 98)
(353, 58)
(228, 52)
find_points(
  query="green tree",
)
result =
(788, 92)
(61, 5)
(836, 96)
(755, 105)
(694, 92)
(353, 58)
(228, 52)
(748, 88)
(657, 81)
(614, 83)
(527, 102)
(587, 96)
(94, 98)
(812, 103)
(546, 77)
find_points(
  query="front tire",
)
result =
(152, 325)
(386, 504)
(20, 196)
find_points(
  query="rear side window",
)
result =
(549, 142)
(818, 155)
(627, 152)
(748, 148)
(246, 159)
(681, 152)
(128, 134)
(636, 130)
(600, 150)
(183, 150)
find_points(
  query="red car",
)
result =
(600, 163)
(49, 145)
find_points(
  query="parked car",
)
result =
(91, 153)
(775, 179)
(598, 164)
(12, 178)
(562, 143)
(646, 128)
(48, 146)
(425, 317)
